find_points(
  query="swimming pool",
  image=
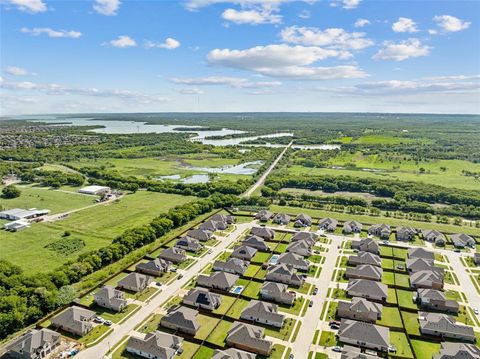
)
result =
(237, 289)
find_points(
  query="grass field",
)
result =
(96, 226)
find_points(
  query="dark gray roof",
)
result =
(202, 296)
(444, 324)
(263, 310)
(249, 335)
(158, 344)
(366, 286)
(219, 279)
(364, 332)
(292, 259)
(361, 305)
(419, 252)
(183, 317)
(74, 318)
(34, 340)
(426, 277)
(232, 353)
(243, 251)
(458, 351)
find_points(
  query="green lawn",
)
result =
(401, 343)
(206, 324)
(327, 339)
(277, 352)
(331, 311)
(227, 301)
(251, 270)
(388, 278)
(402, 280)
(390, 318)
(304, 289)
(295, 308)
(391, 297)
(412, 326)
(387, 263)
(424, 349)
(219, 335)
(147, 293)
(236, 310)
(252, 290)
(94, 334)
(281, 333)
(405, 299)
(261, 257)
(153, 323)
(188, 349)
(115, 317)
(202, 353)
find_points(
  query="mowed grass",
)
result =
(96, 226)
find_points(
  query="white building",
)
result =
(16, 226)
(95, 190)
(16, 214)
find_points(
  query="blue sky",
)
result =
(245, 55)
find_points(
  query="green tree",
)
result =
(11, 192)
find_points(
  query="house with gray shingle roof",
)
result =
(110, 298)
(262, 232)
(174, 254)
(226, 218)
(264, 313)
(403, 233)
(368, 289)
(426, 279)
(277, 292)
(200, 234)
(154, 267)
(283, 273)
(135, 282)
(257, 243)
(476, 258)
(232, 265)
(74, 320)
(380, 230)
(434, 299)
(434, 236)
(300, 247)
(244, 252)
(218, 280)
(365, 335)
(34, 344)
(157, 344)
(232, 353)
(352, 227)
(263, 215)
(360, 309)
(249, 337)
(451, 350)
(303, 220)
(350, 352)
(365, 258)
(209, 225)
(418, 264)
(419, 252)
(366, 245)
(202, 298)
(189, 244)
(328, 224)
(462, 240)
(364, 271)
(294, 260)
(182, 319)
(444, 326)
(310, 237)
(281, 218)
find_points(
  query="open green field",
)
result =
(96, 226)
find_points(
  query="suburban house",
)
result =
(303, 220)
(360, 309)
(462, 240)
(263, 215)
(426, 279)
(264, 313)
(232, 353)
(368, 289)
(200, 234)
(434, 299)
(277, 292)
(110, 298)
(352, 227)
(364, 271)
(154, 267)
(202, 298)
(257, 243)
(175, 255)
(232, 265)
(451, 350)
(34, 344)
(218, 280)
(209, 226)
(74, 320)
(444, 326)
(300, 247)
(262, 232)
(365, 258)
(182, 319)
(135, 282)
(476, 258)
(281, 218)
(305, 236)
(328, 224)
(225, 218)
(294, 260)
(365, 335)
(283, 273)
(366, 245)
(418, 264)
(249, 337)
(434, 236)
(419, 252)
(350, 352)
(189, 244)
(156, 344)
(403, 233)
(380, 230)
(244, 252)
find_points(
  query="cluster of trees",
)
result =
(11, 191)
(53, 179)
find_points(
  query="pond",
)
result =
(239, 140)
(247, 168)
(196, 178)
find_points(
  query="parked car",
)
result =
(310, 304)
(210, 251)
(475, 310)
(98, 319)
(108, 323)
(392, 348)
(337, 349)
(334, 326)
(315, 291)
(173, 269)
(180, 276)
(336, 322)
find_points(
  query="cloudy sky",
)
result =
(239, 55)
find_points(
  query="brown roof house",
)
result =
(182, 319)
(360, 309)
(303, 220)
(232, 353)
(277, 292)
(310, 237)
(249, 337)
(426, 279)
(154, 267)
(202, 298)
(294, 260)
(365, 335)
(175, 255)
(257, 243)
(364, 271)
(328, 224)
(366, 245)
(262, 232)
(156, 344)
(34, 344)
(380, 230)
(244, 252)
(365, 258)
(135, 282)
(200, 234)
(110, 298)
(462, 240)
(352, 227)
(281, 218)
(283, 273)
(419, 252)
(74, 320)
(458, 351)
(434, 236)
(444, 326)
(188, 244)
(232, 265)
(264, 313)
(403, 233)
(263, 215)
(218, 280)
(434, 299)
(368, 289)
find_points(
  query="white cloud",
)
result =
(168, 44)
(106, 7)
(346, 4)
(16, 71)
(235, 82)
(123, 41)
(404, 24)
(451, 23)
(31, 6)
(432, 31)
(402, 50)
(51, 33)
(361, 23)
(253, 17)
(194, 5)
(333, 37)
(191, 91)
(304, 14)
